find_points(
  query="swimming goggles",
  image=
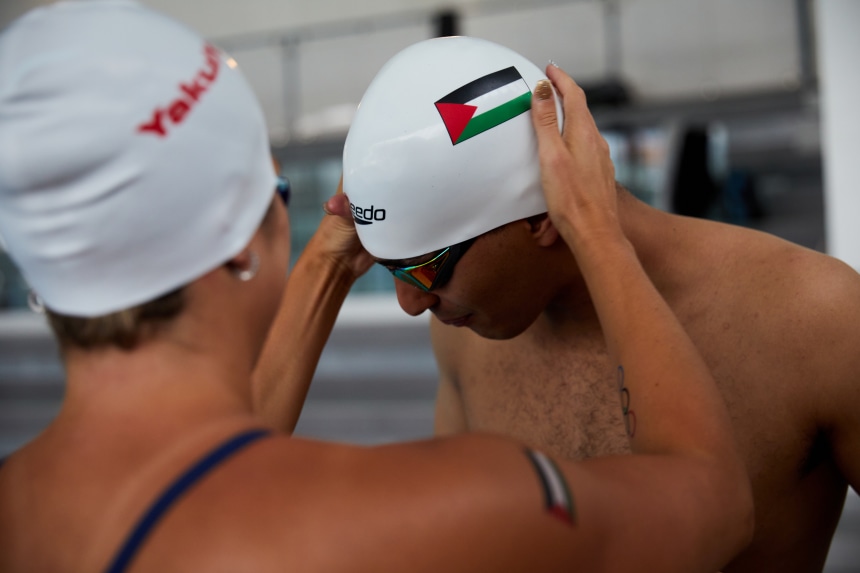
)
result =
(284, 190)
(434, 273)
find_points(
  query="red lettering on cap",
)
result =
(155, 124)
(178, 110)
(212, 73)
(192, 90)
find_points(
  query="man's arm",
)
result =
(832, 334)
(846, 437)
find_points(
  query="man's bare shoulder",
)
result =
(819, 299)
(768, 269)
(798, 308)
(794, 284)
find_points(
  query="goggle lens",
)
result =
(424, 275)
(435, 272)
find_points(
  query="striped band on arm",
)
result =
(557, 496)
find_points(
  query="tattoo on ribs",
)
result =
(559, 502)
(629, 415)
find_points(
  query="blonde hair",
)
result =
(124, 328)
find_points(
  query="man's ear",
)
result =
(542, 230)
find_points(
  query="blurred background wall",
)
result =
(729, 84)
(743, 111)
(732, 84)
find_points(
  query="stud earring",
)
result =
(253, 267)
(34, 301)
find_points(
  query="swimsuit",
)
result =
(170, 495)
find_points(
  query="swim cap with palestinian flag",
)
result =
(442, 147)
(134, 156)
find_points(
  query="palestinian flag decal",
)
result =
(558, 500)
(484, 103)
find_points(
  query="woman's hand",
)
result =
(336, 236)
(576, 171)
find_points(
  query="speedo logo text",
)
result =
(366, 216)
(190, 92)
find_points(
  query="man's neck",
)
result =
(652, 233)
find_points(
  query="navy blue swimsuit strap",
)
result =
(174, 492)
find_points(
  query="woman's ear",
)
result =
(542, 230)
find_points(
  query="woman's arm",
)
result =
(669, 400)
(672, 410)
(315, 291)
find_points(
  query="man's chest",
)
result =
(562, 396)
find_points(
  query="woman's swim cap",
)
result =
(442, 147)
(134, 158)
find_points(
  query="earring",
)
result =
(34, 301)
(253, 267)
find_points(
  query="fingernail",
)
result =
(543, 89)
(553, 64)
(325, 208)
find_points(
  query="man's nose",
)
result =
(412, 299)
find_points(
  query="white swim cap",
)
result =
(133, 157)
(442, 147)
